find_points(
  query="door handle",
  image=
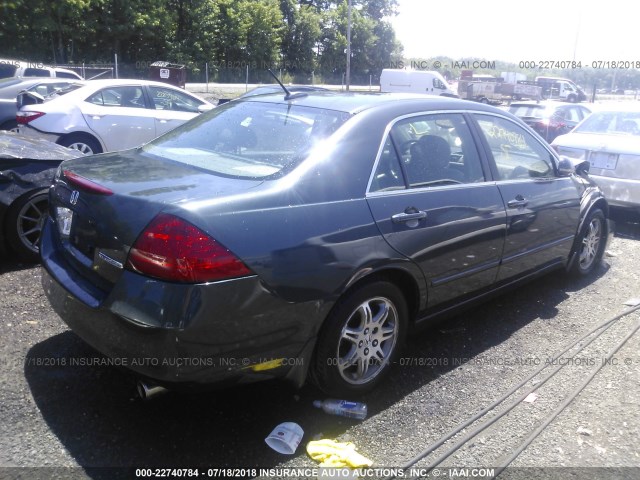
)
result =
(518, 202)
(408, 216)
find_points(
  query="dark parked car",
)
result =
(273, 238)
(550, 119)
(27, 167)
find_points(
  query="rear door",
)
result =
(120, 117)
(542, 208)
(451, 224)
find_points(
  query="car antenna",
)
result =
(287, 94)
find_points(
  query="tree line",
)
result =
(303, 37)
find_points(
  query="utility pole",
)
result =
(348, 79)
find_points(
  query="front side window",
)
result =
(429, 151)
(168, 99)
(517, 153)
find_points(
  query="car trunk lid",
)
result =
(100, 207)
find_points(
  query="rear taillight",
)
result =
(173, 249)
(86, 184)
(25, 117)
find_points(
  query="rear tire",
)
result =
(82, 142)
(590, 244)
(23, 228)
(360, 340)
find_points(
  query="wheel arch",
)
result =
(594, 204)
(81, 134)
(413, 290)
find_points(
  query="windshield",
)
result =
(248, 139)
(616, 123)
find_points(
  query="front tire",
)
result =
(361, 339)
(590, 244)
(24, 225)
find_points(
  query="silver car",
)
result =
(610, 141)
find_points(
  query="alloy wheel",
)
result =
(367, 340)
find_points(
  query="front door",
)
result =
(542, 208)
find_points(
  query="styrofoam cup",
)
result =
(285, 438)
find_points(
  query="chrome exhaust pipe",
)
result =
(147, 391)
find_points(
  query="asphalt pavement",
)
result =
(65, 413)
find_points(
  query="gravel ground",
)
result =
(61, 409)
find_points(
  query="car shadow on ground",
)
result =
(627, 223)
(8, 264)
(93, 409)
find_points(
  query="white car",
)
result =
(108, 115)
(610, 140)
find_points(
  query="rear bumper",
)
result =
(28, 131)
(619, 192)
(187, 335)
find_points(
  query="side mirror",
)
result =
(570, 166)
(204, 108)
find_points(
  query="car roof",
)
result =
(354, 102)
(274, 88)
(545, 104)
(105, 82)
(92, 85)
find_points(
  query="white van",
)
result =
(414, 81)
(16, 68)
(561, 88)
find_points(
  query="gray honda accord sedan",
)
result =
(306, 235)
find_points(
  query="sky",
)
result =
(515, 31)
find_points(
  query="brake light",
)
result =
(173, 249)
(23, 118)
(86, 184)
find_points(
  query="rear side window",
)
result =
(126, 96)
(517, 153)
(428, 151)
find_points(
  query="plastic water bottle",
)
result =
(343, 408)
